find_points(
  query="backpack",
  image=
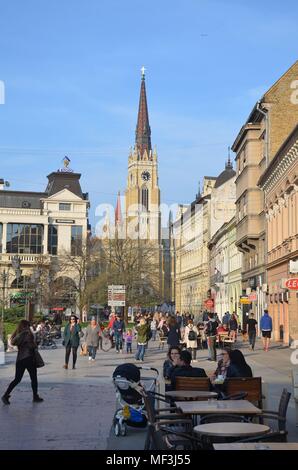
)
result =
(192, 335)
(212, 327)
(165, 330)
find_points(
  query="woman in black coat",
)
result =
(174, 335)
(23, 338)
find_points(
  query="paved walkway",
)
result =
(79, 404)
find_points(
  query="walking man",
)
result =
(252, 331)
(266, 328)
(210, 331)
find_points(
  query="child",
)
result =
(128, 340)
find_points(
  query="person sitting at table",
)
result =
(184, 369)
(169, 365)
(238, 366)
(222, 367)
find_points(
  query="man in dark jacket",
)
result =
(210, 331)
(184, 369)
(119, 329)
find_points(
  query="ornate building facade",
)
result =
(280, 185)
(268, 125)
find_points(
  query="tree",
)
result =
(133, 263)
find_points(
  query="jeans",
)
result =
(21, 366)
(128, 348)
(211, 340)
(153, 334)
(140, 352)
(252, 338)
(74, 354)
(193, 352)
(92, 351)
(119, 342)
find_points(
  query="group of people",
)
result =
(232, 363)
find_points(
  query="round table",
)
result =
(191, 394)
(231, 429)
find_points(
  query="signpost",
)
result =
(292, 284)
(116, 296)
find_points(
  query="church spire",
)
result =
(143, 131)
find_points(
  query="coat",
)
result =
(142, 333)
(191, 344)
(92, 336)
(25, 343)
(266, 322)
(75, 339)
(186, 371)
(174, 336)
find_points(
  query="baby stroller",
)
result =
(128, 384)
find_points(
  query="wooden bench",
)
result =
(251, 385)
(193, 383)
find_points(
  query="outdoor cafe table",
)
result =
(240, 430)
(257, 446)
(191, 394)
(242, 407)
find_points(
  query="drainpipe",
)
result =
(265, 114)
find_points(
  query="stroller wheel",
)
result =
(123, 429)
(117, 429)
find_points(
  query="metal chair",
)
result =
(279, 416)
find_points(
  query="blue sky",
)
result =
(72, 76)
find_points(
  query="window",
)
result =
(145, 199)
(64, 206)
(24, 238)
(53, 239)
(76, 240)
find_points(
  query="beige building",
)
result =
(225, 269)
(191, 234)
(280, 185)
(268, 125)
(37, 228)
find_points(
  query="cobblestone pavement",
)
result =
(79, 404)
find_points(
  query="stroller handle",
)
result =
(148, 368)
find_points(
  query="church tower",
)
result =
(142, 196)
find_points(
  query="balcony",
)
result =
(26, 258)
(250, 226)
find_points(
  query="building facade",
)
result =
(36, 230)
(268, 125)
(280, 185)
(225, 269)
(191, 234)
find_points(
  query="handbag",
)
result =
(38, 359)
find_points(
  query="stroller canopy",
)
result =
(132, 373)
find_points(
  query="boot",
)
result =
(5, 399)
(37, 399)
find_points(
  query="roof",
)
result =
(143, 131)
(225, 175)
(63, 180)
(21, 199)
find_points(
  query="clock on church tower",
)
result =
(146, 176)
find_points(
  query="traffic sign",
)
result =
(292, 283)
(116, 296)
(209, 303)
(252, 297)
(244, 299)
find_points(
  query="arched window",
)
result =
(145, 198)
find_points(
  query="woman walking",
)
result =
(23, 338)
(174, 335)
(71, 340)
(93, 338)
(191, 334)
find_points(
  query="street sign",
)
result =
(292, 284)
(116, 296)
(252, 297)
(209, 303)
(244, 299)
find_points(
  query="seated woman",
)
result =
(238, 366)
(169, 366)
